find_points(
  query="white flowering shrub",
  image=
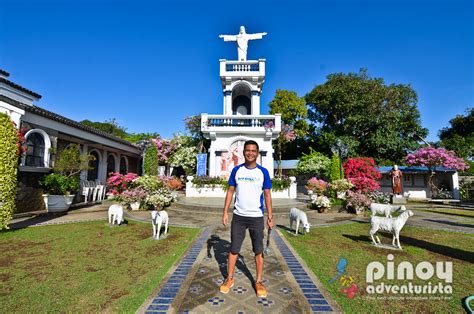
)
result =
(160, 198)
(315, 164)
(184, 157)
(320, 201)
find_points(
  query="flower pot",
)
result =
(322, 209)
(57, 203)
(135, 205)
(359, 210)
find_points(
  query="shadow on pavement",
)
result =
(31, 221)
(217, 246)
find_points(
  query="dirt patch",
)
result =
(4, 277)
(90, 269)
(7, 261)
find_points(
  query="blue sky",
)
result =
(149, 64)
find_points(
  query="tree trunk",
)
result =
(280, 170)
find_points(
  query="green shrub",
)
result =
(57, 184)
(280, 183)
(8, 169)
(205, 181)
(336, 168)
(150, 162)
(314, 164)
(68, 165)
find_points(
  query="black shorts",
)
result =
(237, 233)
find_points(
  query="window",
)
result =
(93, 172)
(408, 180)
(36, 150)
(110, 164)
(123, 165)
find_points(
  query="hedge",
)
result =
(8, 169)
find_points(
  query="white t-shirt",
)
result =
(249, 184)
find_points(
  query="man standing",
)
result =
(251, 183)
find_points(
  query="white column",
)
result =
(212, 160)
(255, 103)
(455, 179)
(84, 152)
(117, 163)
(103, 167)
(228, 103)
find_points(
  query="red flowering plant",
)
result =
(117, 182)
(361, 172)
(432, 157)
(21, 143)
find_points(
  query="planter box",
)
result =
(57, 203)
(217, 191)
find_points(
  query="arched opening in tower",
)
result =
(241, 100)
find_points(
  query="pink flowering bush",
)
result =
(361, 172)
(134, 195)
(317, 186)
(357, 201)
(165, 148)
(432, 157)
(117, 182)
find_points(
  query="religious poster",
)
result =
(233, 157)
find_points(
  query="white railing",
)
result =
(233, 68)
(267, 123)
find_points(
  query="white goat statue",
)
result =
(116, 214)
(159, 218)
(392, 225)
(300, 217)
(385, 209)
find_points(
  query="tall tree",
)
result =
(109, 126)
(293, 113)
(459, 137)
(374, 119)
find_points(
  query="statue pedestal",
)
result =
(398, 200)
(387, 247)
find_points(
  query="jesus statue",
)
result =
(242, 39)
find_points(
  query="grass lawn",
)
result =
(85, 267)
(323, 247)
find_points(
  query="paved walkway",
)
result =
(194, 284)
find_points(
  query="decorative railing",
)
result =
(245, 68)
(242, 67)
(262, 122)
